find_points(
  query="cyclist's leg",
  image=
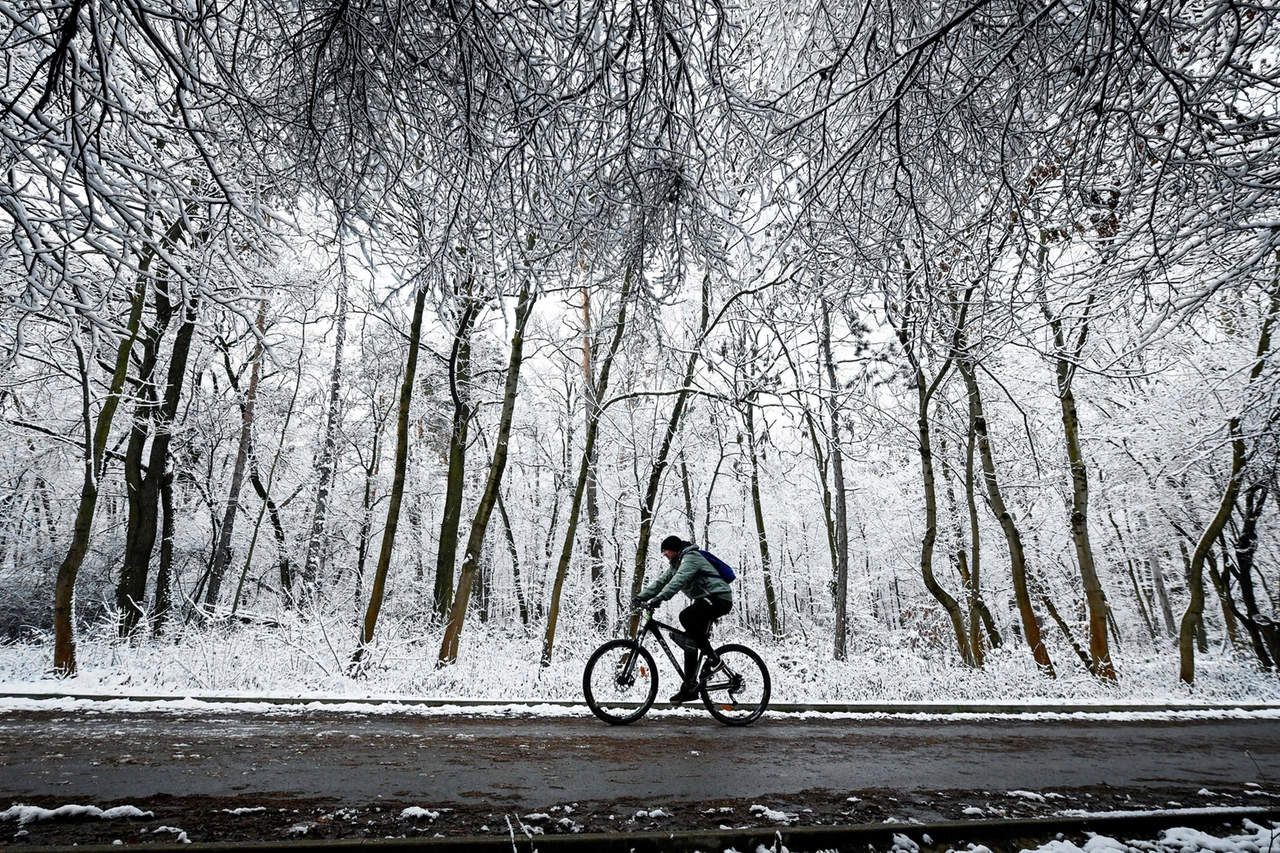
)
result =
(697, 619)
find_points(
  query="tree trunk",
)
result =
(1133, 576)
(1245, 546)
(455, 479)
(971, 565)
(757, 507)
(497, 465)
(949, 604)
(925, 389)
(1095, 597)
(144, 490)
(222, 554)
(369, 499)
(1222, 586)
(584, 469)
(64, 648)
(164, 573)
(521, 601)
(1157, 582)
(1012, 536)
(95, 445)
(317, 541)
(1066, 631)
(1193, 617)
(397, 481)
(131, 587)
(284, 570)
(649, 505)
(686, 487)
(595, 547)
(840, 534)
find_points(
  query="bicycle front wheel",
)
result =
(620, 682)
(737, 693)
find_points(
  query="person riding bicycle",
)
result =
(691, 574)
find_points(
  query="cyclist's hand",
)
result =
(638, 603)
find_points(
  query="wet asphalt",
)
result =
(529, 761)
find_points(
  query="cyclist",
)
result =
(691, 574)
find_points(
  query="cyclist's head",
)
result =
(673, 545)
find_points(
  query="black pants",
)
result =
(696, 619)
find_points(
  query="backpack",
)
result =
(726, 572)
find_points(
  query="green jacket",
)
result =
(691, 574)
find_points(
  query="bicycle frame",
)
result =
(654, 626)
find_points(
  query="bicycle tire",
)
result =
(617, 701)
(738, 694)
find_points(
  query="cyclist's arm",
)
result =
(653, 589)
(675, 579)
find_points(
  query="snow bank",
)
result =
(31, 814)
(1255, 839)
(500, 664)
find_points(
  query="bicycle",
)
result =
(621, 680)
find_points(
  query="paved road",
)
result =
(530, 762)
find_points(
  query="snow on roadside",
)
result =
(180, 835)
(31, 814)
(1255, 839)
(294, 705)
(498, 664)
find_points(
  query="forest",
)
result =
(341, 338)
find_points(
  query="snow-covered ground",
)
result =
(1254, 839)
(307, 659)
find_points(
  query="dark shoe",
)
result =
(712, 667)
(687, 693)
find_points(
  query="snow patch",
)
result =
(1028, 795)
(30, 814)
(903, 844)
(774, 815)
(243, 810)
(181, 835)
(418, 813)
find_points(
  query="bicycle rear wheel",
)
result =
(620, 682)
(738, 693)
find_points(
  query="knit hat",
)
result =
(674, 543)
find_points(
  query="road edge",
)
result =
(503, 707)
